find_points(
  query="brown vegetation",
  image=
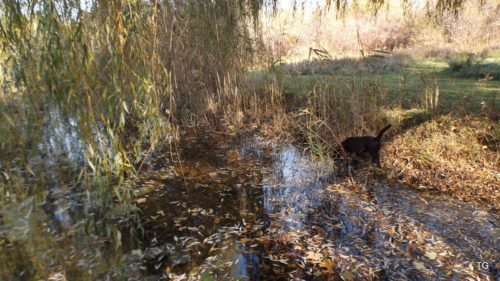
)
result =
(458, 156)
(411, 30)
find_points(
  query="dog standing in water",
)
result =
(365, 144)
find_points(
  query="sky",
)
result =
(288, 4)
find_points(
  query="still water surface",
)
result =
(255, 210)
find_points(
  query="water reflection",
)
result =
(253, 210)
(64, 238)
(294, 187)
(465, 226)
(61, 138)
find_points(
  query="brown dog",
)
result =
(365, 144)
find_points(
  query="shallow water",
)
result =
(254, 210)
(220, 207)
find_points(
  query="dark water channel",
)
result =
(253, 210)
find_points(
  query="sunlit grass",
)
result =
(453, 91)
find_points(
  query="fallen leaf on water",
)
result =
(418, 265)
(347, 276)
(431, 255)
(481, 213)
(314, 256)
(327, 263)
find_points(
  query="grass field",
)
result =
(407, 86)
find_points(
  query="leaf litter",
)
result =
(255, 210)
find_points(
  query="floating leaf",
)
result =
(314, 256)
(137, 252)
(347, 276)
(328, 265)
(431, 255)
(419, 265)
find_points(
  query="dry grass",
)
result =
(290, 35)
(458, 156)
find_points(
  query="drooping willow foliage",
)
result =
(89, 90)
(121, 70)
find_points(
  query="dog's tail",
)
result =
(381, 133)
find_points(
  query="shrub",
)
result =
(470, 65)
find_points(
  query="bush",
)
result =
(470, 65)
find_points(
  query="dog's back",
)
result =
(357, 144)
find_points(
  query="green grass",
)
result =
(493, 57)
(453, 91)
(407, 86)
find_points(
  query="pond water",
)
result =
(219, 208)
